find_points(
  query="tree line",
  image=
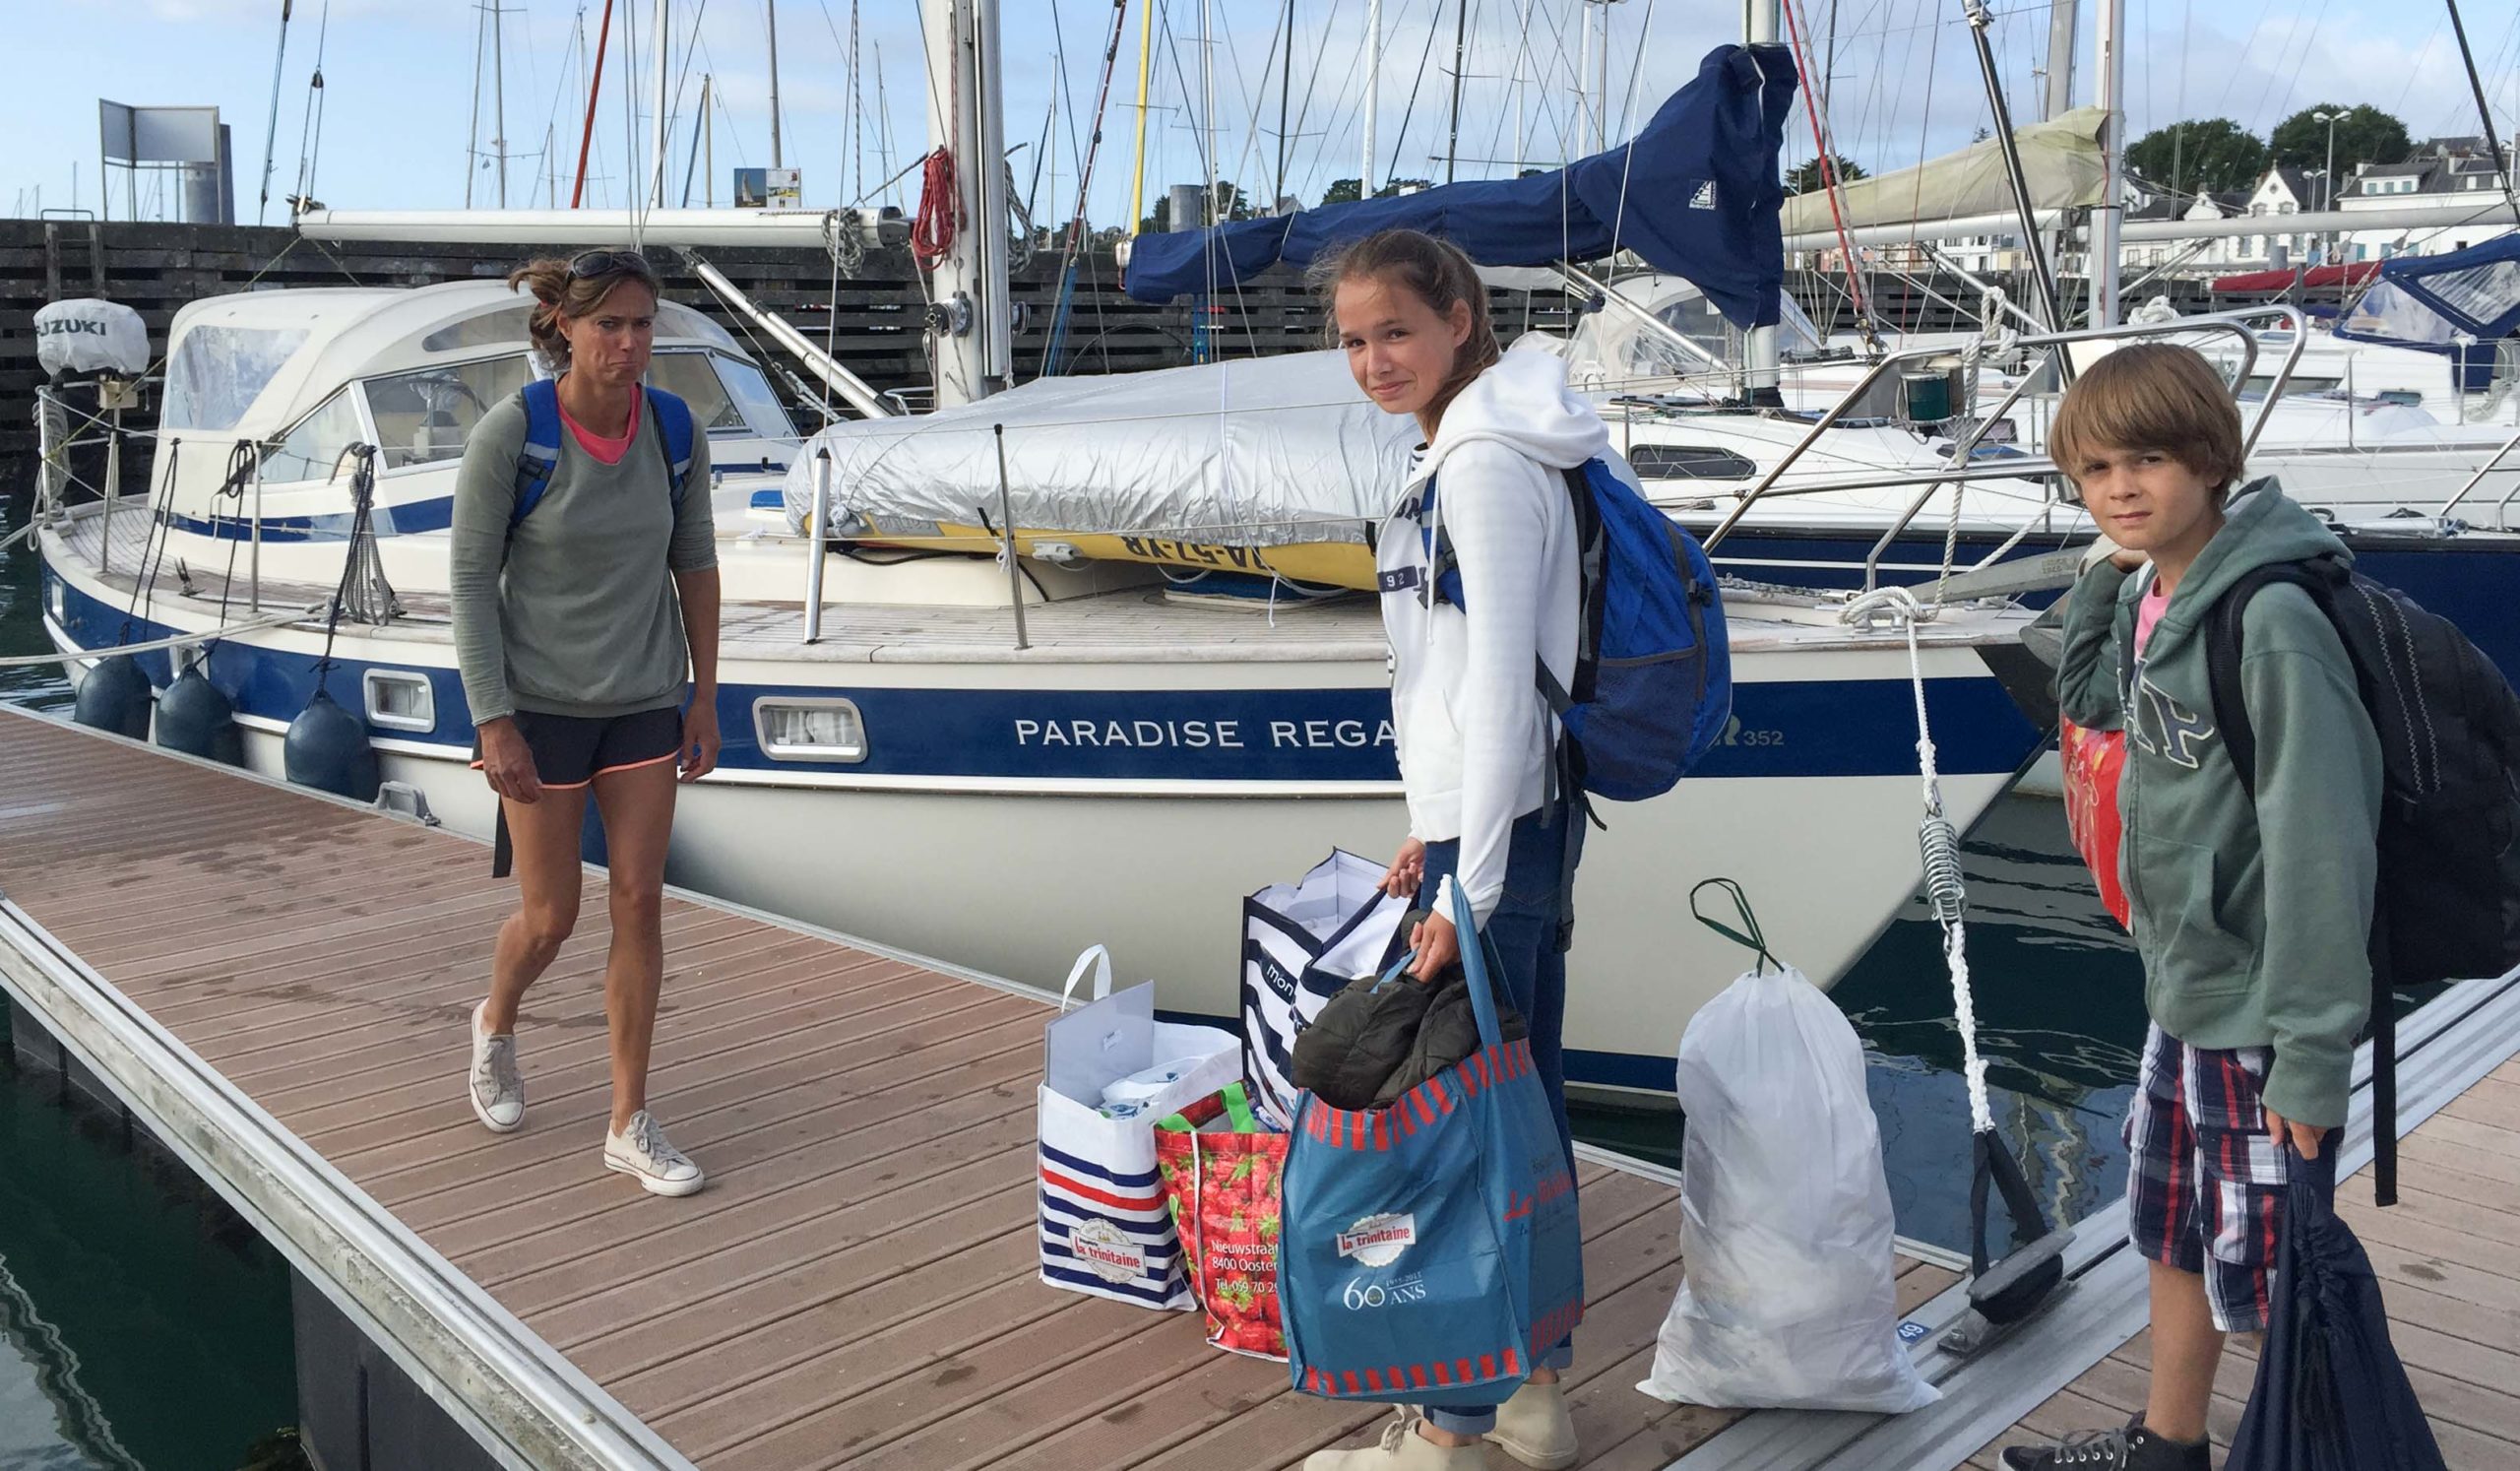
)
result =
(2216, 155)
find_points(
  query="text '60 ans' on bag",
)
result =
(1303, 943)
(1430, 1250)
(1109, 1073)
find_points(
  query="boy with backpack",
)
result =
(2252, 885)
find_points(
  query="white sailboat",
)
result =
(996, 762)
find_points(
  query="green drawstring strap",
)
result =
(1749, 936)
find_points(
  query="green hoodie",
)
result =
(2252, 919)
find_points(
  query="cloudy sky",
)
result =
(399, 130)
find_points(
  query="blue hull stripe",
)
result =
(1789, 729)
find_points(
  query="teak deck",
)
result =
(856, 1287)
(2448, 1259)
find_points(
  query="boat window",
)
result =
(312, 450)
(809, 729)
(762, 409)
(424, 416)
(508, 327)
(727, 396)
(687, 377)
(1689, 462)
(216, 373)
(2298, 384)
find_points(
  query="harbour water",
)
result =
(177, 1337)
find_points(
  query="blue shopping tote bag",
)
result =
(1430, 1250)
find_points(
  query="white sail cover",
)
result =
(1266, 452)
(2060, 160)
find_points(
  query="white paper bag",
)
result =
(1788, 1297)
(1302, 942)
(1104, 1227)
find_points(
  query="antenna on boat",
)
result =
(770, 19)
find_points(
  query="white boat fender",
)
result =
(114, 696)
(195, 716)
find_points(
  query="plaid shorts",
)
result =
(2204, 1179)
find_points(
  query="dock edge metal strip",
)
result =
(517, 1395)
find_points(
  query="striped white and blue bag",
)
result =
(1303, 943)
(1105, 1229)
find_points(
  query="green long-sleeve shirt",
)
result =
(572, 611)
(2253, 917)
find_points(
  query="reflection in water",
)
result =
(47, 1420)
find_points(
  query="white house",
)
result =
(2442, 169)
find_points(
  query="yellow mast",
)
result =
(1146, 60)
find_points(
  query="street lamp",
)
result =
(2331, 120)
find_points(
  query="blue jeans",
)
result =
(1527, 931)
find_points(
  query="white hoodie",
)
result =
(1476, 738)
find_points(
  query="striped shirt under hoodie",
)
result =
(1476, 738)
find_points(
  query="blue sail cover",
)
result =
(1696, 193)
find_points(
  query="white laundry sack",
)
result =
(1788, 1297)
(1303, 943)
(1109, 1071)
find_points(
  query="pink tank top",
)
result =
(606, 451)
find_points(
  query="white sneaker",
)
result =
(496, 1091)
(1401, 1448)
(640, 1150)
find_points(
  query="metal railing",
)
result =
(2502, 508)
(1959, 470)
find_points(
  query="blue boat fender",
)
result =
(114, 696)
(327, 748)
(195, 716)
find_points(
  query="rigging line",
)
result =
(1627, 148)
(313, 117)
(1341, 115)
(2501, 166)
(2291, 84)
(271, 129)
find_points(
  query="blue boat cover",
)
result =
(2475, 290)
(1696, 193)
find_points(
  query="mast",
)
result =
(968, 325)
(770, 9)
(1373, 93)
(1461, 33)
(1285, 84)
(2110, 213)
(1146, 67)
(2060, 56)
(657, 127)
(1761, 361)
(708, 147)
(270, 133)
(499, 91)
(1602, 81)
(595, 90)
(472, 127)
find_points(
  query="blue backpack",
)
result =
(1653, 685)
(539, 459)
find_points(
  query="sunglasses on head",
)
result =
(609, 261)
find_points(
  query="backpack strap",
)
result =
(2223, 650)
(674, 437)
(539, 458)
(2318, 577)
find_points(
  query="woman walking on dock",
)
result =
(584, 585)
